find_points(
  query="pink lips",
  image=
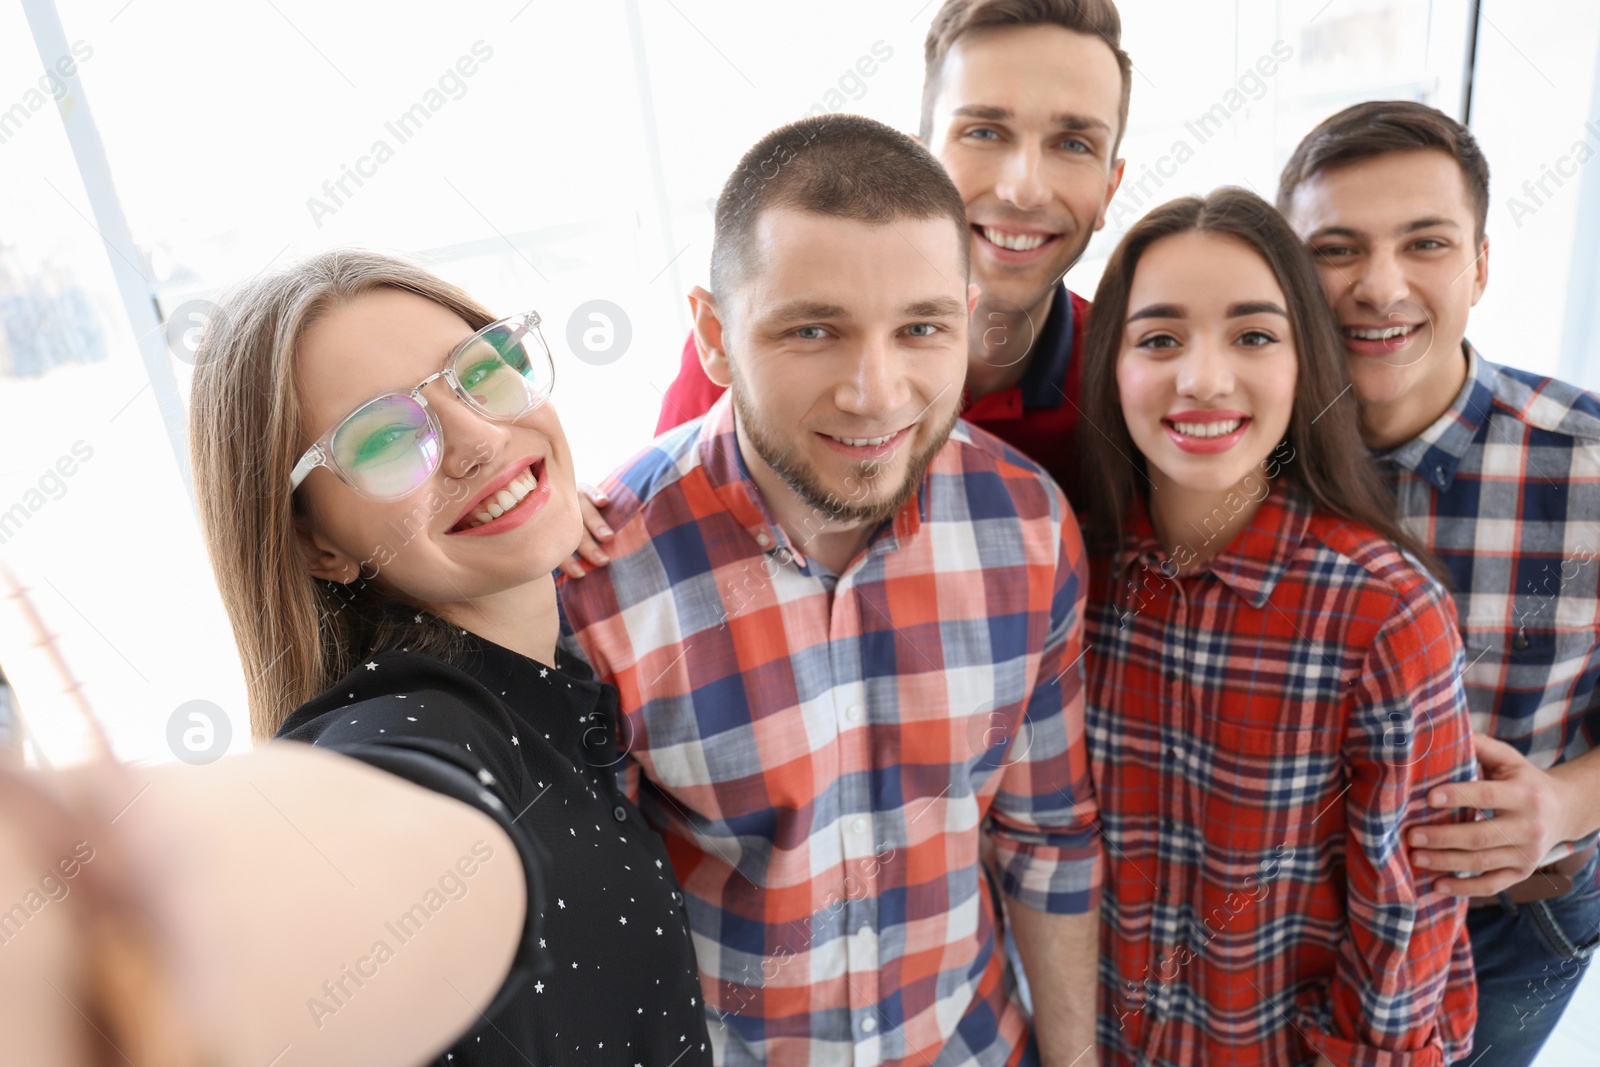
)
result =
(1377, 349)
(524, 510)
(1205, 445)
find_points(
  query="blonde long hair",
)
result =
(296, 635)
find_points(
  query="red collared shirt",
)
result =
(1262, 730)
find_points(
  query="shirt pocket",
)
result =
(1531, 681)
(1264, 789)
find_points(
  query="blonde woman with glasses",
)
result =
(444, 868)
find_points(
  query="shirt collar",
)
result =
(1436, 453)
(1052, 353)
(1043, 381)
(1251, 564)
(739, 495)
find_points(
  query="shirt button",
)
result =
(868, 1025)
(1520, 642)
(762, 539)
(677, 897)
(859, 825)
(1175, 752)
(853, 713)
(865, 932)
(620, 813)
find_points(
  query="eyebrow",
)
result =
(806, 309)
(931, 308)
(937, 308)
(1427, 223)
(1065, 120)
(1235, 311)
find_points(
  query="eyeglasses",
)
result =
(386, 448)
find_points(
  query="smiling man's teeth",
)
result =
(495, 506)
(863, 442)
(1017, 242)
(1208, 429)
(1382, 333)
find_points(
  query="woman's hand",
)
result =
(595, 530)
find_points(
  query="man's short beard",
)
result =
(786, 463)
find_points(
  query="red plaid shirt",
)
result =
(1262, 730)
(823, 753)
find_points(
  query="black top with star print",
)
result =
(605, 972)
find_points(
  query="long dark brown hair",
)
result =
(1330, 464)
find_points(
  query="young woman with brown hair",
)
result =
(1274, 680)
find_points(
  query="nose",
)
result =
(1021, 184)
(877, 385)
(468, 439)
(1205, 372)
(1379, 282)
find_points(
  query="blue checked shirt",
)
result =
(1505, 489)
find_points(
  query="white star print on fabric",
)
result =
(372, 666)
(514, 740)
(658, 931)
(416, 618)
(538, 987)
(541, 942)
(561, 903)
(544, 672)
(624, 920)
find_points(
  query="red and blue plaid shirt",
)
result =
(1262, 729)
(822, 753)
(1505, 489)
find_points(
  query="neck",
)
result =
(1193, 525)
(993, 363)
(1391, 424)
(524, 619)
(817, 533)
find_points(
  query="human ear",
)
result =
(708, 337)
(1112, 185)
(1481, 280)
(322, 559)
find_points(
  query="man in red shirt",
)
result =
(1026, 113)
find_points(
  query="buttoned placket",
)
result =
(1165, 928)
(858, 832)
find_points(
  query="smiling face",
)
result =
(1394, 241)
(847, 345)
(1026, 121)
(1207, 365)
(432, 546)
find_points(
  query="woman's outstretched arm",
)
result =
(316, 910)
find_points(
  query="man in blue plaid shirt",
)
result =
(1499, 471)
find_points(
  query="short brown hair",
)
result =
(1377, 128)
(960, 17)
(1327, 459)
(842, 166)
